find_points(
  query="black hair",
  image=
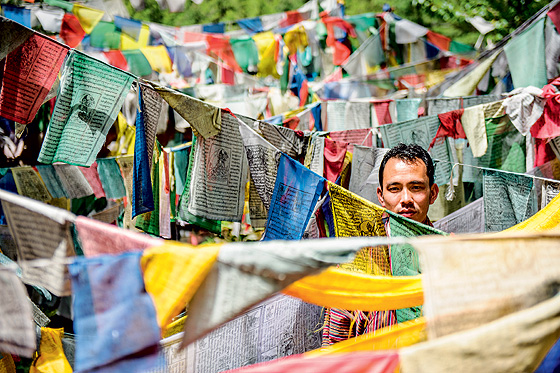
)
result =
(408, 153)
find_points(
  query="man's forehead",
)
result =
(397, 168)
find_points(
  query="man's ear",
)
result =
(380, 196)
(434, 190)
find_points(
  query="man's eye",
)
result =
(393, 189)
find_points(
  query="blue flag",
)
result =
(142, 197)
(296, 192)
(114, 316)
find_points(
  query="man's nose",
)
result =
(406, 197)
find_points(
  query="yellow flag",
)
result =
(348, 290)
(172, 274)
(51, 358)
(546, 219)
(389, 338)
(128, 42)
(355, 216)
(88, 17)
(296, 39)
(266, 45)
(158, 58)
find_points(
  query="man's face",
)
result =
(406, 189)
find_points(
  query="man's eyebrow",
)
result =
(416, 182)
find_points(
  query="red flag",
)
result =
(335, 151)
(117, 59)
(71, 31)
(30, 72)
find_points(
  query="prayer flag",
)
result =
(205, 119)
(131, 27)
(137, 62)
(526, 56)
(508, 199)
(50, 19)
(217, 189)
(106, 36)
(147, 115)
(17, 334)
(92, 177)
(87, 16)
(172, 274)
(51, 357)
(111, 306)
(30, 72)
(158, 57)
(40, 232)
(71, 31)
(18, 14)
(111, 178)
(98, 238)
(91, 95)
(296, 192)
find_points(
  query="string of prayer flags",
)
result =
(296, 192)
(335, 287)
(245, 274)
(13, 35)
(40, 232)
(147, 116)
(98, 238)
(526, 56)
(51, 353)
(17, 334)
(263, 159)
(421, 131)
(172, 273)
(217, 188)
(508, 199)
(91, 95)
(111, 305)
(30, 72)
(111, 178)
(205, 119)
